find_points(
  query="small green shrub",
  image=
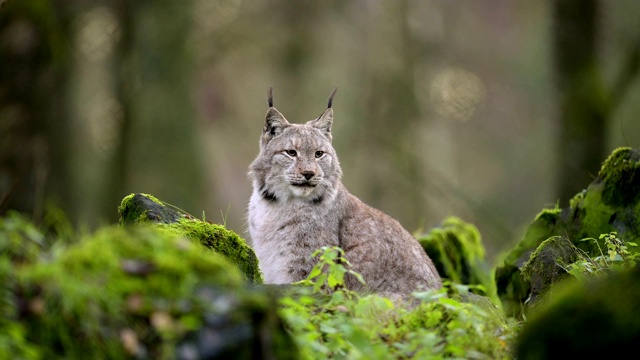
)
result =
(329, 321)
(328, 274)
(617, 257)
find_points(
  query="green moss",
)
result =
(129, 292)
(457, 252)
(544, 226)
(139, 292)
(144, 208)
(595, 319)
(593, 216)
(20, 240)
(117, 280)
(577, 199)
(511, 287)
(610, 203)
(222, 241)
(621, 176)
(543, 269)
(534, 264)
(21, 244)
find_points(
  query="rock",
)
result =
(144, 208)
(543, 269)
(588, 320)
(138, 292)
(259, 334)
(141, 207)
(610, 203)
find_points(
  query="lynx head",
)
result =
(296, 161)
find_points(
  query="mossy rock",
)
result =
(144, 208)
(543, 269)
(610, 203)
(458, 254)
(137, 292)
(585, 319)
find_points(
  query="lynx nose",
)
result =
(308, 174)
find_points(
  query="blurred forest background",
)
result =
(486, 110)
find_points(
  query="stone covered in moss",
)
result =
(138, 292)
(146, 208)
(587, 320)
(140, 207)
(543, 269)
(458, 254)
(610, 203)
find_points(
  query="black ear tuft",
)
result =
(270, 96)
(331, 97)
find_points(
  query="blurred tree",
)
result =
(581, 93)
(51, 150)
(158, 151)
(34, 123)
(124, 71)
(390, 116)
(585, 101)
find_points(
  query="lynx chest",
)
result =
(285, 235)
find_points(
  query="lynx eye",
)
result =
(291, 153)
(319, 154)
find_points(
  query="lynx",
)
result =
(299, 204)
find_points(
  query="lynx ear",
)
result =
(274, 121)
(324, 121)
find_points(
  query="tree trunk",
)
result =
(583, 100)
(34, 121)
(158, 151)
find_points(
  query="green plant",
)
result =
(617, 257)
(328, 274)
(330, 321)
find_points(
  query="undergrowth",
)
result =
(617, 257)
(329, 321)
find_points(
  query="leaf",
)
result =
(331, 254)
(320, 282)
(429, 295)
(336, 277)
(314, 272)
(358, 276)
(328, 329)
(450, 304)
